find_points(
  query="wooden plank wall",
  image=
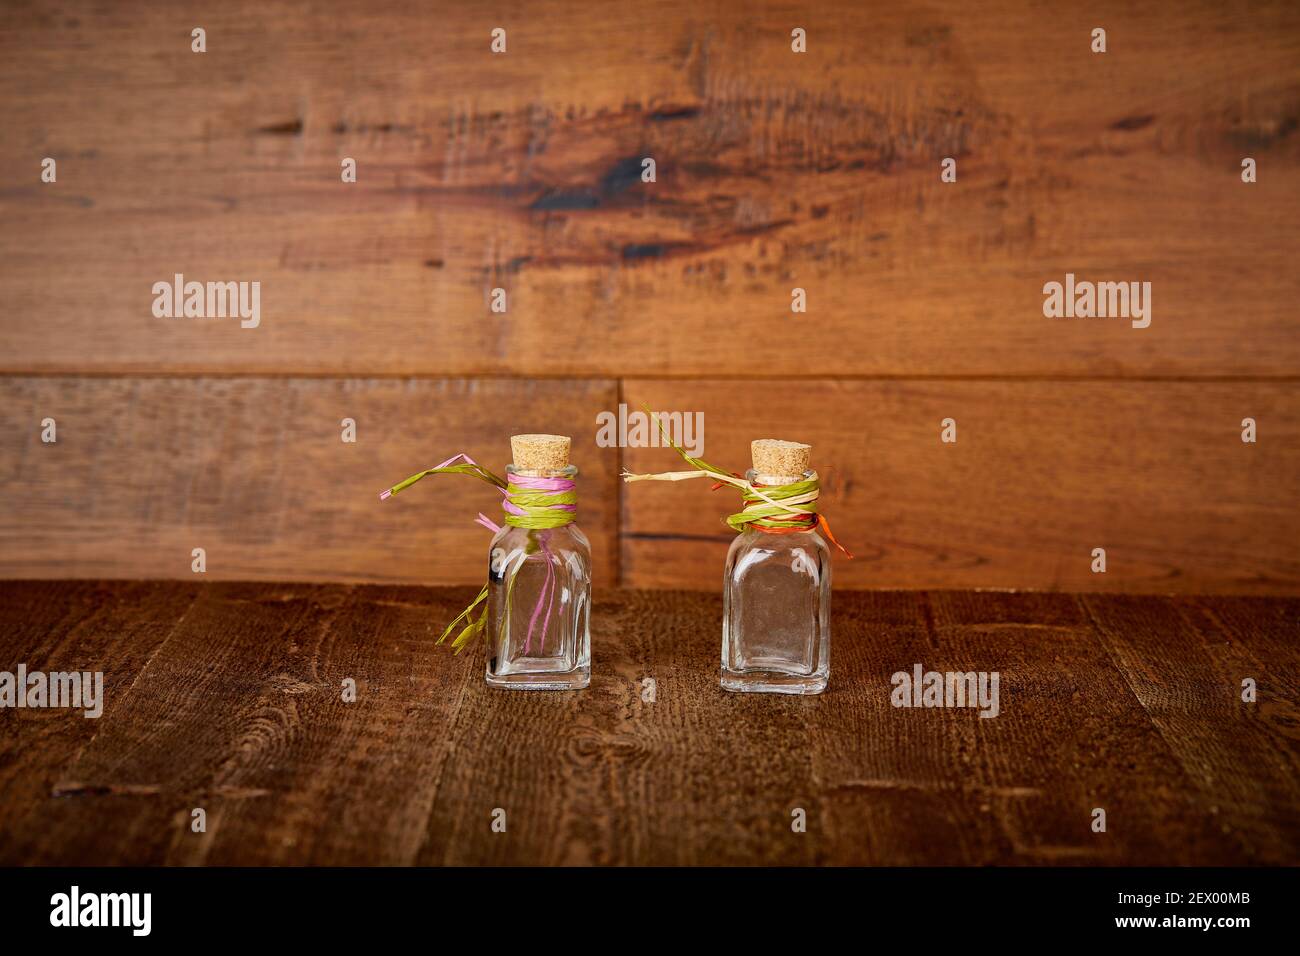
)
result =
(775, 170)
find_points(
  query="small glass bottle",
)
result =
(539, 585)
(776, 596)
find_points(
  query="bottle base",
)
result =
(569, 680)
(773, 682)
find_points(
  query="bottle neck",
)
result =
(776, 481)
(541, 498)
(781, 504)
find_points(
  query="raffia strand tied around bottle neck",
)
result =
(771, 509)
(532, 502)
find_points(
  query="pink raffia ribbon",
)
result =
(544, 599)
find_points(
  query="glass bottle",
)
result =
(539, 599)
(776, 631)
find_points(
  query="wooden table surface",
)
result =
(227, 697)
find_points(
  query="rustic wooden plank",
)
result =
(255, 471)
(62, 626)
(925, 786)
(1079, 725)
(774, 170)
(606, 777)
(238, 710)
(240, 713)
(1267, 629)
(390, 747)
(1040, 475)
(1239, 758)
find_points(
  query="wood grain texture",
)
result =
(775, 170)
(83, 626)
(227, 696)
(1210, 654)
(255, 472)
(1041, 473)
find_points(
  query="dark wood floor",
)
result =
(227, 697)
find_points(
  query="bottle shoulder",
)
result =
(761, 556)
(567, 537)
(752, 541)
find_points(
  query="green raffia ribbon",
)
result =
(550, 506)
(475, 627)
(778, 509)
(761, 514)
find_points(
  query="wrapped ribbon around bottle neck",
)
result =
(771, 509)
(539, 502)
(534, 502)
(778, 509)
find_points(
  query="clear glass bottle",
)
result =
(776, 608)
(539, 600)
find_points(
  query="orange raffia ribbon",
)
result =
(788, 524)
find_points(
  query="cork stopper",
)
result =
(774, 458)
(540, 452)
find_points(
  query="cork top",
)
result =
(780, 459)
(540, 452)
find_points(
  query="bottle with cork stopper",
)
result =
(539, 574)
(776, 634)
